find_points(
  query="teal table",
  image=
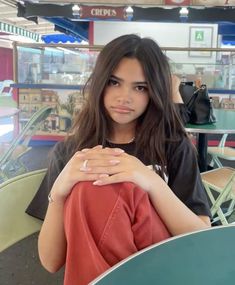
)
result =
(225, 124)
(200, 258)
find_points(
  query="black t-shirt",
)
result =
(183, 176)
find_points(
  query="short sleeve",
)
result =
(185, 180)
(38, 206)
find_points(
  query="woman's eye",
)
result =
(113, 82)
(141, 88)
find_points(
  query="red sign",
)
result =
(178, 2)
(102, 12)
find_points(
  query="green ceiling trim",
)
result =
(12, 29)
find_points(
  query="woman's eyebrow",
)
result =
(140, 83)
(121, 80)
(116, 78)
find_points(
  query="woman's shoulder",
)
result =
(62, 150)
(182, 143)
(181, 148)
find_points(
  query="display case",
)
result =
(55, 75)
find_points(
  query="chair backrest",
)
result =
(204, 257)
(15, 195)
(223, 140)
(26, 133)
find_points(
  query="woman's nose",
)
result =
(125, 95)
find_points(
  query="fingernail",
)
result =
(114, 161)
(103, 175)
(97, 182)
(85, 149)
(80, 154)
(118, 150)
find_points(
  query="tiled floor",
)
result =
(19, 265)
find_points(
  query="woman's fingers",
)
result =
(117, 178)
(92, 177)
(99, 150)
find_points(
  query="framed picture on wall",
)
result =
(200, 37)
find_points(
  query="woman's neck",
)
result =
(121, 140)
(121, 135)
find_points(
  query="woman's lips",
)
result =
(122, 109)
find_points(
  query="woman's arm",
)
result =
(52, 241)
(176, 96)
(176, 215)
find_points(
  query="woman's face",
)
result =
(126, 95)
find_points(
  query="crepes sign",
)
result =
(103, 12)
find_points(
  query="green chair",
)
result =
(221, 151)
(10, 156)
(220, 187)
(15, 195)
(204, 257)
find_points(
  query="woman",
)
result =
(129, 121)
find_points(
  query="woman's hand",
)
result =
(119, 168)
(74, 171)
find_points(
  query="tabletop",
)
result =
(203, 257)
(8, 112)
(225, 123)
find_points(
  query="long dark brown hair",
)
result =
(157, 127)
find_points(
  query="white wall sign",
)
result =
(200, 37)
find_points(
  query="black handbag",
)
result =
(198, 103)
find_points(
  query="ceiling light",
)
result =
(184, 12)
(76, 10)
(129, 12)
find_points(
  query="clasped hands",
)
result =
(109, 165)
(102, 166)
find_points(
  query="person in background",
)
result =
(127, 175)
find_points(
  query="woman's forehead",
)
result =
(131, 69)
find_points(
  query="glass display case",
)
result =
(55, 75)
(54, 65)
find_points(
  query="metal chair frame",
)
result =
(222, 181)
(10, 164)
